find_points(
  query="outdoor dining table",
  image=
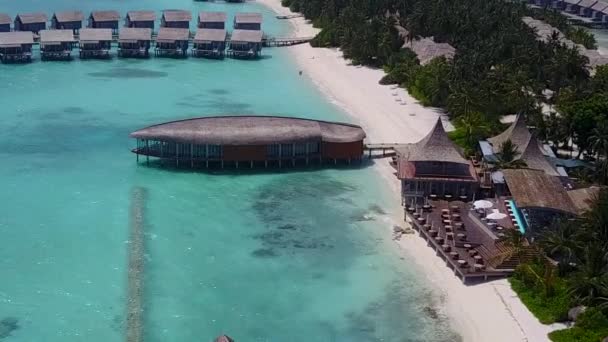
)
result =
(467, 246)
(416, 215)
(448, 228)
(447, 222)
(478, 267)
(445, 211)
(433, 232)
(454, 255)
(492, 224)
(456, 217)
(462, 263)
(426, 226)
(448, 197)
(439, 239)
(499, 228)
(459, 225)
(478, 259)
(461, 236)
(421, 220)
(449, 235)
(446, 248)
(433, 196)
(463, 198)
(426, 207)
(455, 208)
(472, 252)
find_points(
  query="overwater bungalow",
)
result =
(140, 19)
(56, 44)
(434, 166)
(176, 19)
(212, 20)
(104, 20)
(248, 21)
(95, 42)
(172, 42)
(585, 7)
(5, 22)
(67, 20)
(599, 11)
(134, 42)
(16, 46)
(209, 43)
(245, 44)
(33, 22)
(250, 141)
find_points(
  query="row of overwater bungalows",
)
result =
(596, 10)
(134, 39)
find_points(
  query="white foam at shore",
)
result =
(486, 312)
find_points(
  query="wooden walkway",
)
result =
(387, 149)
(289, 16)
(134, 326)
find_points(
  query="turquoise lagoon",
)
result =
(292, 256)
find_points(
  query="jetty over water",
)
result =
(250, 141)
(135, 277)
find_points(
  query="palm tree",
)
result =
(474, 127)
(516, 246)
(507, 157)
(588, 284)
(560, 241)
(599, 140)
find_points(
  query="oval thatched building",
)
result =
(268, 140)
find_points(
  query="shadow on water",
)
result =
(7, 326)
(126, 73)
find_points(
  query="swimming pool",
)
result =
(518, 218)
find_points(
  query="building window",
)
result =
(272, 150)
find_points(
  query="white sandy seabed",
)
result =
(489, 312)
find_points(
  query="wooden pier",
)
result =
(387, 149)
(289, 16)
(134, 326)
(278, 42)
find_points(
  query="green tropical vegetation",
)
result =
(571, 270)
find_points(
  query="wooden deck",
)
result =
(450, 229)
(278, 42)
(135, 275)
(289, 16)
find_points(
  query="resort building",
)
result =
(5, 22)
(134, 42)
(249, 141)
(67, 20)
(104, 20)
(434, 166)
(248, 21)
(209, 43)
(33, 22)
(426, 49)
(95, 42)
(212, 20)
(245, 44)
(16, 46)
(140, 19)
(172, 42)
(56, 44)
(176, 19)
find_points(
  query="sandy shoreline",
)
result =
(480, 313)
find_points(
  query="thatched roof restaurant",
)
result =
(209, 43)
(134, 42)
(140, 19)
(176, 19)
(172, 42)
(67, 20)
(104, 20)
(56, 44)
(248, 21)
(5, 22)
(95, 42)
(250, 139)
(212, 20)
(434, 166)
(245, 43)
(16, 46)
(33, 22)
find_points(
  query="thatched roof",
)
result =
(33, 18)
(131, 34)
(544, 32)
(435, 146)
(170, 35)
(141, 15)
(56, 36)
(250, 130)
(16, 38)
(69, 16)
(518, 133)
(95, 35)
(5, 19)
(105, 15)
(212, 17)
(426, 49)
(177, 15)
(582, 198)
(210, 35)
(587, 3)
(536, 189)
(248, 18)
(530, 150)
(600, 6)
(247, 36)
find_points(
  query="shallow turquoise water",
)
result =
(262, 256)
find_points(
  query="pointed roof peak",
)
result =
(436, 146)
(517, 132)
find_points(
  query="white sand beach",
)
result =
(479, 313)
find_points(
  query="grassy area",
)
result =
(592, 326)
(548, 309)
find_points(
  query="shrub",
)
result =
(591, 326)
